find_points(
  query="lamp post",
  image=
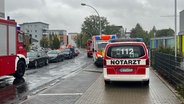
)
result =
(175, 12)
(83, 4)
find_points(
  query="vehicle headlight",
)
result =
(99, 55)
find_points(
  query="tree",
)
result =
(54, 43)
(91, 25)
(138, 32)
(165, 32)
(27, 42)
(112, 29)
(44, 42)
(152, 32)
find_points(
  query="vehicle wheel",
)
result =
(146, 83)
(57, 60)
(46, 62)
(21, 67)
(107, 82)
(88, 55)
(63, 58)
(35, 64)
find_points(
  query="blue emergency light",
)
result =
(126, 40)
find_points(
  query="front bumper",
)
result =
(120, 77)
(99, 61)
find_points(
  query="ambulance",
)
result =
(98, 45)
(126, 61)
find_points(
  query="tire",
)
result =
(88, 55)
(35, 64)
(63, 58)
(21, 67)
(146, 83)
(107, 82)
(47, 62)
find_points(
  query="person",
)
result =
(103, 51)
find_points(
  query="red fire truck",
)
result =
(89, 48)
(13, 59)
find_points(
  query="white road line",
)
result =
(64, 94)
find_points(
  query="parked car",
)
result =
(72, 50)
(37, 58)
(67, 53)
(55, 56)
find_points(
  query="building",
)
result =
(71, 39)
(162, 41)
(2, 12)
(61, 34)
(36, 30)
(182, 21)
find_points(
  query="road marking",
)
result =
(63, 94)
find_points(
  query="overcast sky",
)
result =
(69, 14)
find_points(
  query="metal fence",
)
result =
(169, 67)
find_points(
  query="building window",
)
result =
(35, 30)
(35, 36)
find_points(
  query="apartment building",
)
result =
(62, 36)
(71, 38)
(36, 30)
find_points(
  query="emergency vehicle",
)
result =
(126, 61)
(89, 48)
(13, 59)
(98, 45)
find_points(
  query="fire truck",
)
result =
(13, 60)
(89, 48)
(98, 45)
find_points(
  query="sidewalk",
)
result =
(67, 91)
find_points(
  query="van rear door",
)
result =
(126, 59)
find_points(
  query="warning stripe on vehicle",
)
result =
(126, 62)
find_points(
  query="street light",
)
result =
(83, 4)
(175, 12)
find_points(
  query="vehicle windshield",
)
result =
(125, 51)
(20, 37)
(65, 51)
(53, 52)
(31, 54)
(101, 46)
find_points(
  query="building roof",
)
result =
(34, 23)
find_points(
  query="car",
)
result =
(67, 53)
(55, 56)
(37, 58)
(126, 61)
(72, 50)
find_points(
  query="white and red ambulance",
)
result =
(126, 61)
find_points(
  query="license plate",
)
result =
(125, 70)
